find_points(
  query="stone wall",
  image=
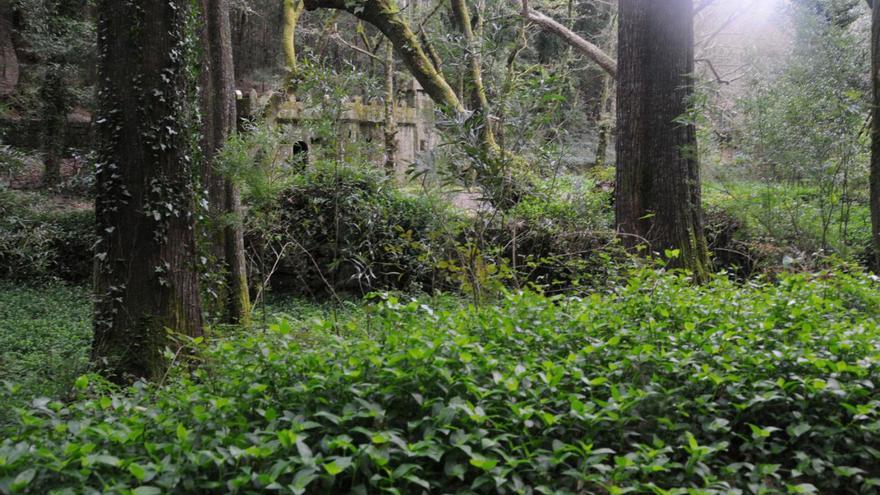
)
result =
(364, 122)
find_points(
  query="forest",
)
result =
(439, 247)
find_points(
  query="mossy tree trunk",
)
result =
(387, 18)
(146, 281)
(390, 127)
(292, 11)
(224, 196)
(479, 101)
(658, 179)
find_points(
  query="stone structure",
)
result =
(361, 122)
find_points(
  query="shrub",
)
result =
(657, 387)
(763, 224)
(346, 229)
(36, 243)
(557, 239)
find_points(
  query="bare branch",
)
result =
(712, 68)
(337, 38)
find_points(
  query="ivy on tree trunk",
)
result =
(146, 281)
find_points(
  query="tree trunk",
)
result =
(145, 276)
(874, 167)
(390, 121)
(55, 108)
(9, 69)
(224, 197)
(658, 179)
(480, 102)
(292, 11)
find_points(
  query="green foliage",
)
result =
(38, 243)
(805, 138)
(341, 228)
(557, 238)
(59, 37)
(44, 338)
(776, 221)
(656, 387)
(349, 229)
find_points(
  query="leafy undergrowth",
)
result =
(659, 387)
(45, 332)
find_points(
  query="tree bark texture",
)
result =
(9, 68)
(146, 281)
(658, 178)
(224, 197)
(875, 135)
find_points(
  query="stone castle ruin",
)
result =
(359, 121)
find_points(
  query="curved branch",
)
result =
(591, 51)
(386, 17)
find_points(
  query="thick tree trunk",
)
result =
(875, 135)
(146, 280)
(224, 198)
(658, 179)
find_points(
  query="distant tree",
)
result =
(9, 66)
(58, 37)
(657, 200)
(146, 281)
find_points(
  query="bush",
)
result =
(36, 243)
(347, 229)
(760, 225)
(351, 230)
(558, 239)
(657, 387)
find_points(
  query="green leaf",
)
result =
(482, 462)
(137, 471)
(23, 479)
(337, 465)
(798, 429)
(82, 382)
(147, 490)
(182, 433)
(802, 488)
